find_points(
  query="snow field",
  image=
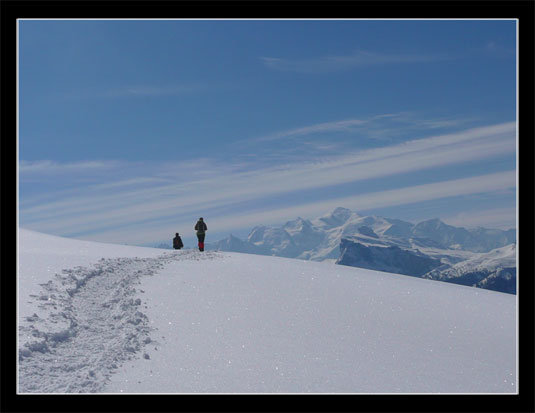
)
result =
(84, 320)
(116, 319)
(256, 324)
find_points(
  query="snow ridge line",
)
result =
(90, 322)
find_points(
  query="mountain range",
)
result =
(430, 249)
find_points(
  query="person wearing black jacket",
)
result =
(201, 227)
(177, 242)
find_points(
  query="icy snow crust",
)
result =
(116, 319)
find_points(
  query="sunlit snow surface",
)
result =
(109, 318)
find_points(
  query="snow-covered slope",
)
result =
(475, 240)
(383, 256)
(115, 319)
(495, 270)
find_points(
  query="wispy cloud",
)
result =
(140, 91)
(155, 230)
(53, 167)
(406, 195)
(357, 59)
(228, 188)
(148, 90)
(161, 197)
(379, 127)
(335, 126)
(500, 218)
(496, 49)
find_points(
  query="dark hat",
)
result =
(177, 233)
(200, 219)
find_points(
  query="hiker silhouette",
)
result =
(177, 242)
(201, 227)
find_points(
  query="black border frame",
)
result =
(524, 11)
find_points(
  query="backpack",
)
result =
(177, 243)
(201, 227)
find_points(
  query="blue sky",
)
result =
(129, 130)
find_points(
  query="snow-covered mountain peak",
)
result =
(297, 225)
(257, 234)
(430, 224)
(341, 212)
(352, 226)
(509, 251)
(365, 230)
(335, 218)
(495, 270)
(233, 240)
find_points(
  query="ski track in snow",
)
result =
(93, 323)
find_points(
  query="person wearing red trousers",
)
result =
(201, 227)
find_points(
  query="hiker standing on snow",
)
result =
(201, 227)
(177, 242)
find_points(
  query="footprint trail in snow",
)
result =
(89, 324)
